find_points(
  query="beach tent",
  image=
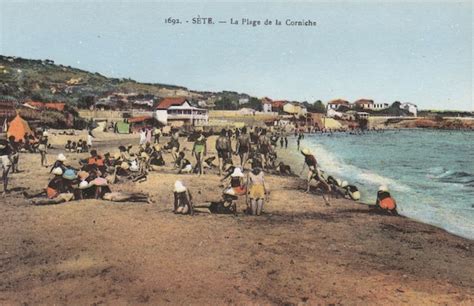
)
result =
(18, 127)
(123, 127)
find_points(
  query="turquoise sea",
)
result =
(429, 172)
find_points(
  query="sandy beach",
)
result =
(299, 252)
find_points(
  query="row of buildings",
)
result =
(340, 107)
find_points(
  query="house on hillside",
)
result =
(295, 109)
(364, 104)
(333, 106)
(266, 104)
(410, 107)
(179, 112)
(277, 105)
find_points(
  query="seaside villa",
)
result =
(179, 112)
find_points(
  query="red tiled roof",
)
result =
(55, 105)
(279, 104)
(363, 101)
(59, 106)
(139, 119)
(167, 102)
(338, 102)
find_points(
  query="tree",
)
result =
(225, 104)
(319, 107)
(254, 103)
(315, 107)
(86, 101)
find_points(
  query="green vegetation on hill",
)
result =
(45, 81)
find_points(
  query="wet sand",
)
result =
(300, 251)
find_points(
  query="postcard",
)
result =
(236, 152)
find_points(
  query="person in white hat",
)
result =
(385, 202)
(183, 201)
(315, 174)
(59, 163)
(237, 183)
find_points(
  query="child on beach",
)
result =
(257, 190)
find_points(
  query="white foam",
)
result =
(334, 166)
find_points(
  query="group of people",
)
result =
(255, 148)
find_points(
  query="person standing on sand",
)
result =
(256, 190)
(42, 148)
(15, 153)
(223, 148)
(5, 163)
(200, 151)
(148, 135)
(174, 144)
(157, 134)
(142, 140)
(243, 147)
(89, 139)
(314, 173)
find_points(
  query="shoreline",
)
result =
(291, 157)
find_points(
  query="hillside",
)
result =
(44, 80)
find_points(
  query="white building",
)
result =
(410, 107)
(179, 112)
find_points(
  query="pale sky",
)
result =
(418, 52)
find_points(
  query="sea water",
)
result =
(430, 173)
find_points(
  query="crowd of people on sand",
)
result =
(254, 147)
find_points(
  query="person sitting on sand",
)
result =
(156, 158)
(315, 174)
(385, 202)
(209, 162)
(257, 190)
(183, 200)
(236, 185)
(59, 190)
(184, 164)
(124, 154)
(351, 191)
(79, 148)
(59, 163)
(68, 146)
(96, 159)
(283, 169)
